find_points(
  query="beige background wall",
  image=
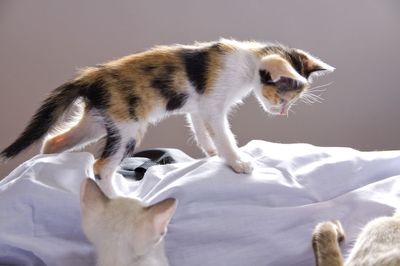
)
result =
(44, 42)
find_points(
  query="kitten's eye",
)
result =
(283, 84)
(265, 77)
(288, 84)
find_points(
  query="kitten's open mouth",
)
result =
(284, 109)
(280, 110)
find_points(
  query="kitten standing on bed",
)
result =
(203, 80)
(377, 245)
(123, 230)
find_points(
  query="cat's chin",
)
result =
(273, 109)
(276, 110)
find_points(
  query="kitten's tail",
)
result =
(325, 242)
(44, 119)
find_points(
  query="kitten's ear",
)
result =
(279, 67)
(160, 215)
(91, 195)
(313, 65)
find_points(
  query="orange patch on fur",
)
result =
(271, 94)
(142, 68)
(98, 165)
(58, 139)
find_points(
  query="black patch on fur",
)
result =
(44, 118)
(195, 61)
(265, 77)
(296, 62)
(148, 69)
(113, 138)
(133, 102)
(96, 95)
(97, 177)
(125, 86)
(177, 101)
(129, 148)
(164, 84)
(307, 72)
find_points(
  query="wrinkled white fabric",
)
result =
(223, 218)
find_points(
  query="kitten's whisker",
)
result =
(290, 110)
(318, 96)
(306, 101)
(314, 97)
(321, 86)
(310, 95)
(322, 90)
(307, 96)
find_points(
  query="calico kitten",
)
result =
(377, 244)
(124, 231)
(203, 80)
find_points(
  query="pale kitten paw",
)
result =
(339, 230)
(242, 164)
(329, 228)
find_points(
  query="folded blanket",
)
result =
(223, 218)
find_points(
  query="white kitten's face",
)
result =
(123, 225)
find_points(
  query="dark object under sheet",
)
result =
(136, 166)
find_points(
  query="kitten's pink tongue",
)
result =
(284, 109)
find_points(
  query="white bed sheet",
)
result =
(223, 218)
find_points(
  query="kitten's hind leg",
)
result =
(201, 134)
(86, 131)
(120, 142)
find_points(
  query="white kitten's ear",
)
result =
(91, 195)
(160, 215)
(313, 65)
(279, 67)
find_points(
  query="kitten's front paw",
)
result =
(339, 230)
(329, 229)
(242, 164)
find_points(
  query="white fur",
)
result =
(83, 132)
(377, 244)
(236, 80)
(123, 230)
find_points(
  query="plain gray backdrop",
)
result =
(43, 43)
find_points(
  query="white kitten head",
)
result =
(284, 75)
(122, 226)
